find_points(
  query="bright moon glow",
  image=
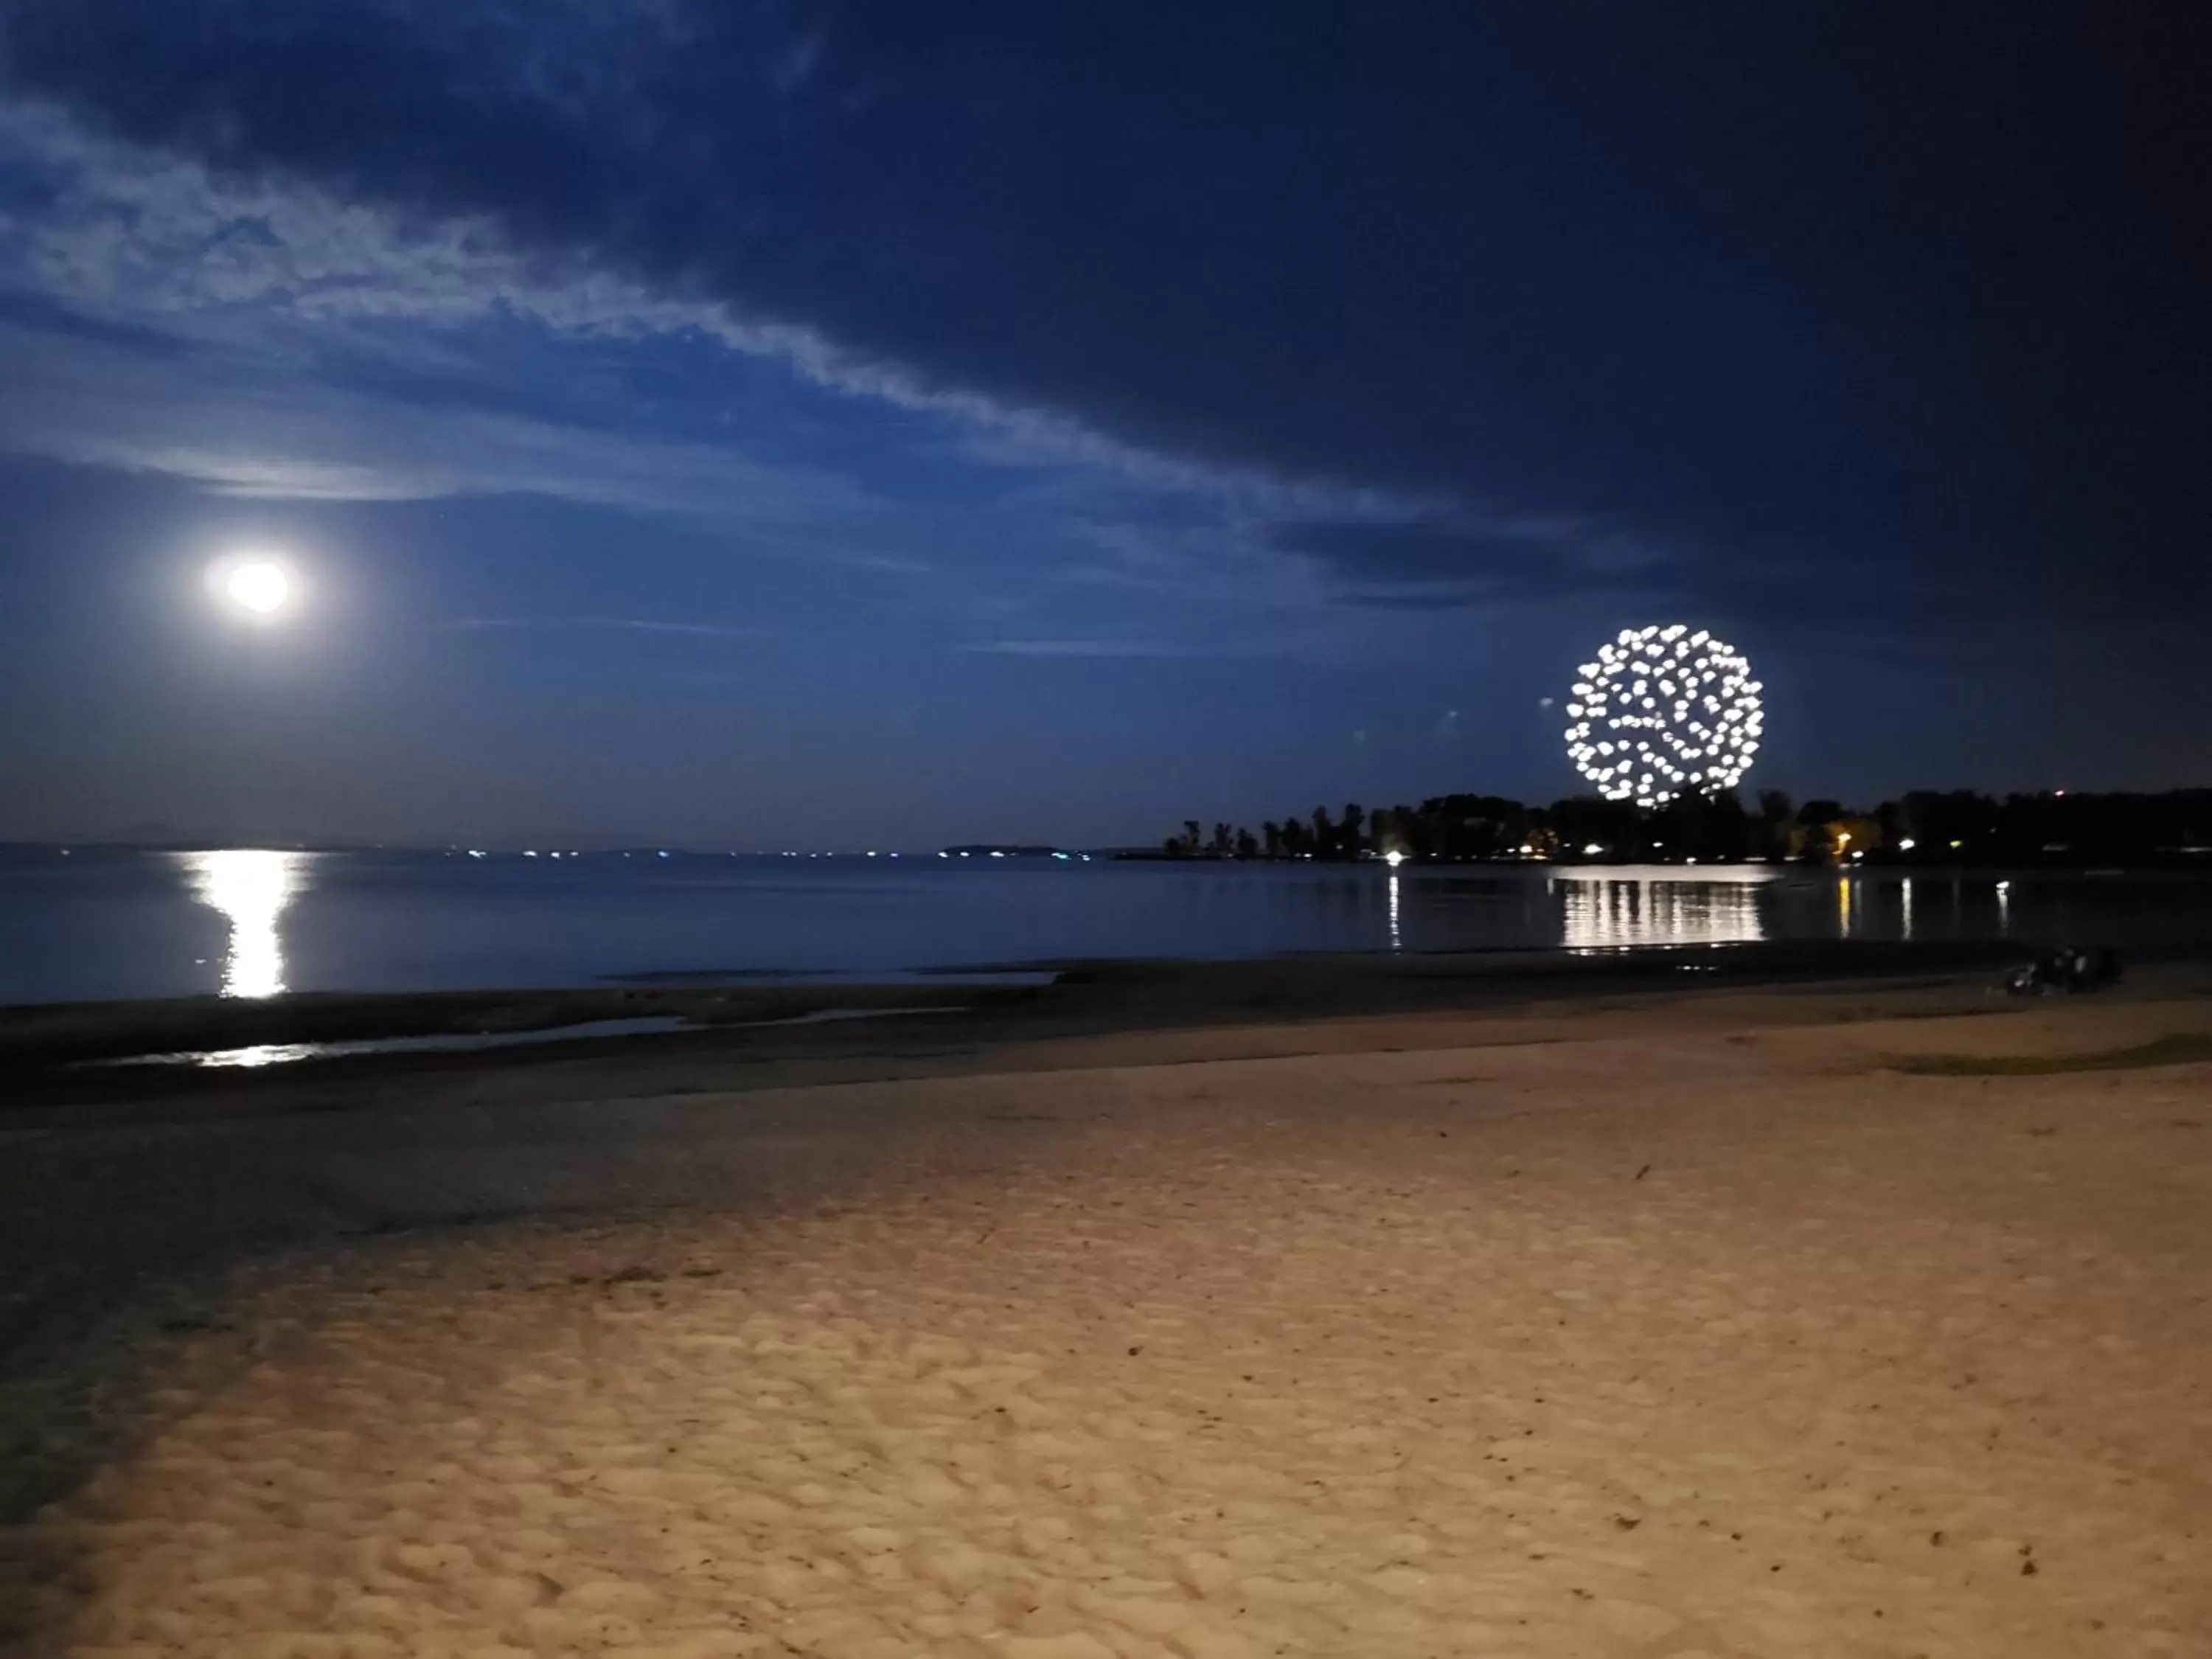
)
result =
(1664, 712)
(259, 587)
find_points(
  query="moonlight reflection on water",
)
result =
(251, 888)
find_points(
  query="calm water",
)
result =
(250, 923)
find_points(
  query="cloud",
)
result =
(141, 233)
(244, 434)
(610, 169)
(629, 625)
(43, 313)
(1410, 550)
(800, 61)
(1554, 308)
(271, 340)
(1464, 559)
(1090, 649)
(210, 188)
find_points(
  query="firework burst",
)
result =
(1664, 712)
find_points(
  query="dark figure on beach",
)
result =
(2065, 970)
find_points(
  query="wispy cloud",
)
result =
(1466, 557)
(241, 433)
(136, 232)
(266, 281)
(1089, 648)
(630, 624)
(134, 236)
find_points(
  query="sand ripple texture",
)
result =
(1377, 1363)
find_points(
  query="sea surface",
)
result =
(98, 924)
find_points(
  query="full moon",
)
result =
(258, 586)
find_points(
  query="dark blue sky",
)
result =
(753, 424)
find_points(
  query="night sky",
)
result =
(759, 425)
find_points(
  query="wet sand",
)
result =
(1037, 999)
(1651, 1328)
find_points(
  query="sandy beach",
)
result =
(1862, 1322)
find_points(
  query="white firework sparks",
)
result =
(1664, 712)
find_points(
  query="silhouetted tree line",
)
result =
(1927, 827)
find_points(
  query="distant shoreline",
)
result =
(2166, 862)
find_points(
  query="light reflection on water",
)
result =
(1606, 913)
(113, 924)
(251, 888)
(282, 1053)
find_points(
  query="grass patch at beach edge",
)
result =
(2180, 1049)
